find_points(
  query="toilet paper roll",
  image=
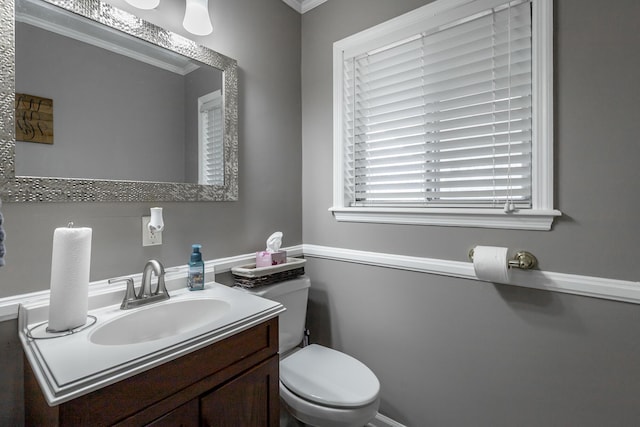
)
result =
(491, 264)
(70, 264)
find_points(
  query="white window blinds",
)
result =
(211, 131)
(444, 118)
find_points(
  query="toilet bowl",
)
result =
(326, 388)
(319, 386)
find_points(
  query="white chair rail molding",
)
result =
(596, 287)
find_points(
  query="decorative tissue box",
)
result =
(266, 259)
(250, 276)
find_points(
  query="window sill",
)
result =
(481, 218)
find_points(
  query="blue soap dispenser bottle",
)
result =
(195, 281)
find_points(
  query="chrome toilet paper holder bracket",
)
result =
(523, 260)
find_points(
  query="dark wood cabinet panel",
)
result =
(245, 401)
(146, 398)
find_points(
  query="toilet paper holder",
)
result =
(523, 260)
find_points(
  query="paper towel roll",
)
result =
(491, 264)
(70, 263)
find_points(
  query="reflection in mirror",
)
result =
(126, 118)
(124, 108)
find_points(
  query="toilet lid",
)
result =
(329, 378)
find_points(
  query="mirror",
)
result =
(148, 105)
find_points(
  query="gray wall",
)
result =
(11, 384)
(451, 352)
(264, 37)
(454, 352)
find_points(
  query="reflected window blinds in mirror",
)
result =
(210, 119)
(127, 98)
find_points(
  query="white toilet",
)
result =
(319, 386)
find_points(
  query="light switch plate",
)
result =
(148, 238)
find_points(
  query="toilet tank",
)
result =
(292, 294)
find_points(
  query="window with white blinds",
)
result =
(442, 118)
(210, 139)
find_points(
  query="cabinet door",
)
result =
(249, 400)
(183, 416)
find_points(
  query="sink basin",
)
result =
(159, 321)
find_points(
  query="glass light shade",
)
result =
(196, 18)
(144, 4)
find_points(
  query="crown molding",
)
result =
(302, 6)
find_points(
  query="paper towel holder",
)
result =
(523, 260)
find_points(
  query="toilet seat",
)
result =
(327, 377)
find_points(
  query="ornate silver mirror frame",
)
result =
(41, 189)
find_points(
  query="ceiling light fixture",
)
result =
(196, 18)
(144, 4)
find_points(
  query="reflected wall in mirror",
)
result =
(140, 113)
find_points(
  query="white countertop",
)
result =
(71, 366)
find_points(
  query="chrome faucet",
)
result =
(145, 295)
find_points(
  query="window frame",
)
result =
(541, 215)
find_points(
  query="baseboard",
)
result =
(596, 287)
(382, 421)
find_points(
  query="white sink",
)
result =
(123, 343)
(159, 320)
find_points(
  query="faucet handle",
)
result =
(130, 293)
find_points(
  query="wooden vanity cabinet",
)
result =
(233, 382)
